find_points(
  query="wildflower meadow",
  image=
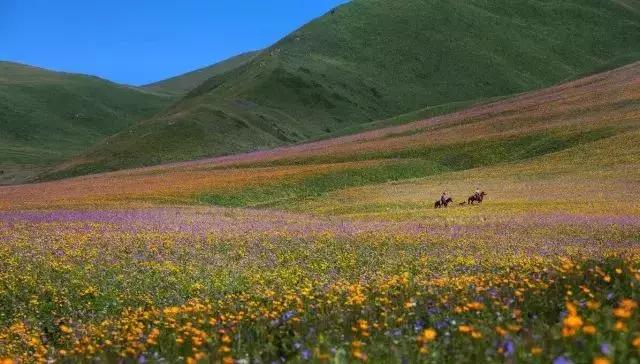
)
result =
(233, 285)
(332, 252)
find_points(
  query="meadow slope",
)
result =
(182, 84)
(46, 116)
(137, 266)
(590, 118)
(370, 60)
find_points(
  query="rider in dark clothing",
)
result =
(443, 197)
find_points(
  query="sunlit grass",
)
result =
(203, 284)
(337, 254)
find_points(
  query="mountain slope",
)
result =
(568, 146)
(47, 116)
(184, 83)
(373, 59)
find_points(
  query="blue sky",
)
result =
(140, 41)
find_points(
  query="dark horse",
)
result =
(440, 204)
(478, 197)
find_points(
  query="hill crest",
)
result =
(374, 59)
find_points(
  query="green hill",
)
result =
(371, 60)
(182, 84)
(48, 116)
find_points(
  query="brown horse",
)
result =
(476, 198)
(440, 204)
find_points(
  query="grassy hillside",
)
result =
(118, 267)
(583, 134)
(184, 83)
(48, 116)
(371, 60)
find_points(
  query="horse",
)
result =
(440, 204)
(476, 198)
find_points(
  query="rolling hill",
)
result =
(48, 116)
(140, 260)
(565, 148)
(184, 83)
(370, 60)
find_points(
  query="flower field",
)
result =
(331, 252)
(202, 284)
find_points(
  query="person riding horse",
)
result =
(477, 196)
(444, 200)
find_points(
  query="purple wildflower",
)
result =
(305, 354)
(562, 360)
(508, 348)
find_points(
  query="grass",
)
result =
(46, 117)
(201, 285)
(182, 84)
(355, 264)
(598, 177)
(420, 114)
(373, 60)
(402, 165)
(504, 133)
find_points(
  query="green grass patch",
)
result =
(46, 116)
(401, 165)
(312, 187)
(420, 114)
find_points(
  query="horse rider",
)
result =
(443, 198)
(477, 193)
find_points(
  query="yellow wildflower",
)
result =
(593, 305)
(536, 350)
(428, 335)
(573, 322)
(601, 360)
(620, 326)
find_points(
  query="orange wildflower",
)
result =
(601, 360)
